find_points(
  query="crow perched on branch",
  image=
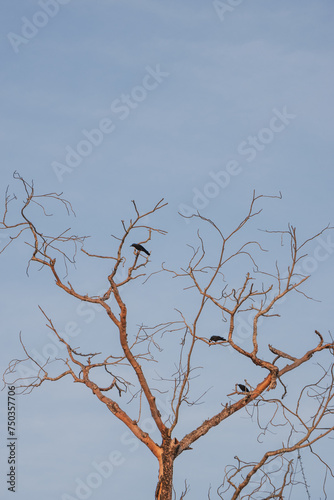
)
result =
(243, 388)
(216, 338)
(140, 248)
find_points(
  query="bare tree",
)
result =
(257, 294)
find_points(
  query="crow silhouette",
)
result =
(140, 248)
(243, 388)
(216, 338)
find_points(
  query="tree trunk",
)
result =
(164, 487)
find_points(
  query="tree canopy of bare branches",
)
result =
(257, 294)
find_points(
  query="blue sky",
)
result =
(113, 101)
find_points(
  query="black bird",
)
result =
(140, 248)
(243, 388)
(216, 338)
